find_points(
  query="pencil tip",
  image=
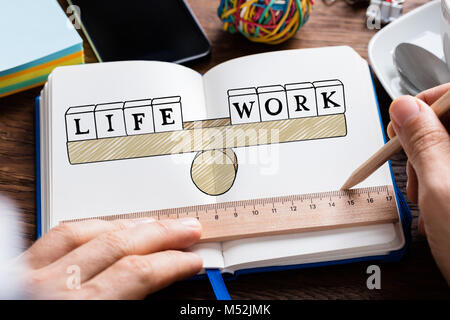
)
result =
(346, 186)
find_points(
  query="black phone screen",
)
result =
(142, 30)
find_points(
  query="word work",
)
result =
(294, 100)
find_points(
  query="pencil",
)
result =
(440, 106)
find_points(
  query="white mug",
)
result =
(445, 29)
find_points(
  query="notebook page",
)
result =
(123, 186)
(316, 247)
(304, 166)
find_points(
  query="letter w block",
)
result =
(244, 105)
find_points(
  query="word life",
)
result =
(124, 118)
(294, 100)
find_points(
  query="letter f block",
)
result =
(138, 117)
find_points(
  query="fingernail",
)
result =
(190, 222)
(403, 109)
(195, 256)
(144, 220)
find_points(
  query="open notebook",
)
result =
(82, 107)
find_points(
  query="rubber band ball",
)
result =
(266, 21)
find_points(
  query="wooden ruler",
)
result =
(282, 215)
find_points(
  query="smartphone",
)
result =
(141, 30)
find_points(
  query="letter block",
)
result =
(244, 105)
(138, 117)
(167, 114)
(272, 103)
(301, 99)
(109, 120)
(80, 123)
(330, 97)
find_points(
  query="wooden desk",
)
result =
(416, 276)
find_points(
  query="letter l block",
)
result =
(80, 123)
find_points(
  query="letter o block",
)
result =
(272, 103)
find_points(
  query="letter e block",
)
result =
(244, 105)
(330, 97)
(301, 98)
(272, 103)
(80, 123)
(138, 117)
(167, 114)
(109, 120)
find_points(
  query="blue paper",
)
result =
(31, 30)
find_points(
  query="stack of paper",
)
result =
(35, 37)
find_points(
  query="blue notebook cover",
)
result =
(404, 213)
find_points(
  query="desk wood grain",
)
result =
(416, 276)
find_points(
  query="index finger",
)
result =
(431, 95)
(64, 238)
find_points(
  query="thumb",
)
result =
(422, 135)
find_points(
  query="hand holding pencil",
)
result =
(416, 127)
(401, 116)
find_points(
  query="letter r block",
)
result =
(80, 123)
(138, 117)
(301, 98)
(330, 97)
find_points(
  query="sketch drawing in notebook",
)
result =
(155, 127)
(138, 136)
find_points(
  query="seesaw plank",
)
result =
(194, 140)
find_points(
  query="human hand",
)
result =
(122, 259)
(426, 142)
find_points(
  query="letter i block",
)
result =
(272, 103)
(109, 120)
(244, 105)
(330, 97)
(80, 123)
(167, 114)
(301, 98)
(138, 117)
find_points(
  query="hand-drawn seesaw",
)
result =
(258, 116)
